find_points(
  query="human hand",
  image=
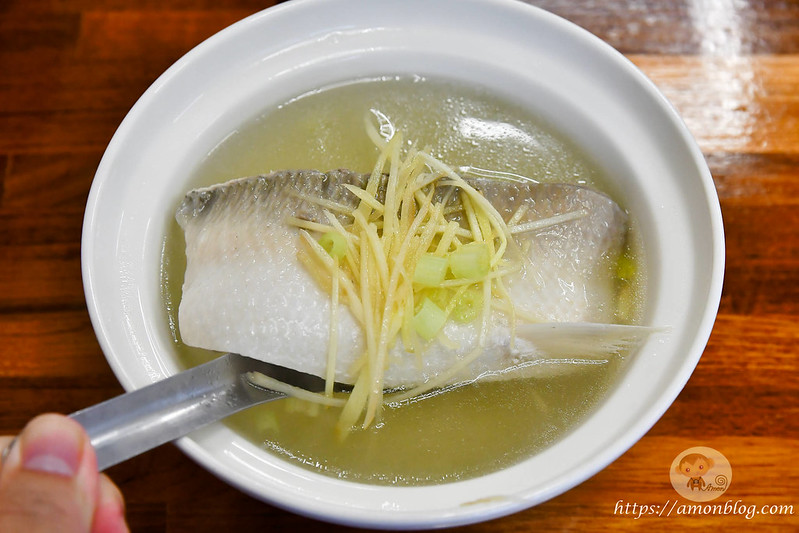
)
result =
(49, 482)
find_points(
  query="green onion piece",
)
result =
(471, 261)
(429, 320)
(440, 296)
(334, 243)
(468, 306)
(625, 268)
(430, 270)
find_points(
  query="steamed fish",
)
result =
(246, 291)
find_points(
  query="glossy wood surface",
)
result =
(71, 69)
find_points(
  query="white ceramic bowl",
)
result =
(590, 92)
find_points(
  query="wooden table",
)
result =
(71, 69)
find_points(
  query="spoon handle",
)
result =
(137, 421)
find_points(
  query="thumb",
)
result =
(49, 479)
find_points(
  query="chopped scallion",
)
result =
(468, 306)
(439, 296)
(625, 268)
(430, 270)
(429, 320)
(334, 243)
(471, 261)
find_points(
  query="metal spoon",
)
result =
(173, 407)
(137, 421)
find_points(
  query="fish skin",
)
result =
(245, 291)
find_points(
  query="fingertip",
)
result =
(49, 481)
(49, 476)
(109, 516)
(50, 443)
(53, 444)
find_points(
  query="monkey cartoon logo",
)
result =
(700, 474)
(694, 466)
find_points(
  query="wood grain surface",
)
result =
(71, 69)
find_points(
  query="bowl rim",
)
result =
(411, 520)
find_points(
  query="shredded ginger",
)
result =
(377, 252)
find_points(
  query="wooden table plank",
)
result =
(733, 104)
(686, 27)
(40, 274)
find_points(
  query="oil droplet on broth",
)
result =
(459, 434)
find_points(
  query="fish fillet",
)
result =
(245, 291)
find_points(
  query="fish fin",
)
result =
(586, 340)
(556, 348)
